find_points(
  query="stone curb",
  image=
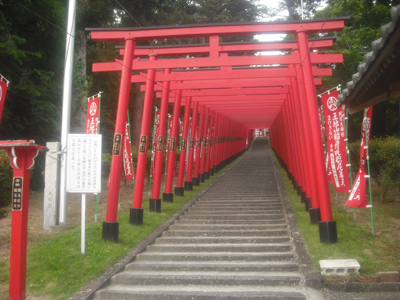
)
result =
(361, 287)
(88, 291)
(312, 278)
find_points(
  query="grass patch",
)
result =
(375, 253)
(57, 269)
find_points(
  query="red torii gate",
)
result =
(234, 93)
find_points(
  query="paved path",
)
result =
(237, 241)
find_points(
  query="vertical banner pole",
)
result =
(369, 173)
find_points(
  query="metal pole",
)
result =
(66, 110)
(83, 223)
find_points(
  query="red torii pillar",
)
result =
(327, 227)
(136, 211)
(155, 201)
(168, 196)
(213, 144)
(209, 146)
(312, 202)
(189, 172)
(179, 189)
(22, 156)
(111, 226)
(195, 179)
(204, 146)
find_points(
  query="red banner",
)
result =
(156, 133)
(329, 169)
(3, 92)
(358, 197)
(92, 116)
(366, 124)
(336, 145)
(127, 155)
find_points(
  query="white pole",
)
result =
(83, 223)
(66, 110)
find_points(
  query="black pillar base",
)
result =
(299, 190)
(315, 215)
(295, 184)
(307, 203)
(303, 197)
(136, 216)
(179, 191)
(196, 181)
(327, 232)
(202, 177)
(111, 231)
(212, 172)
(168, 197)
(155, 205)
(188, 186)
(207, 175)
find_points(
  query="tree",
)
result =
(363, 27)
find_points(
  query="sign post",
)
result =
(84, 170)
(22, 155)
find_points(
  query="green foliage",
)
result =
(355, 40)
(384, 155)
(5, 182)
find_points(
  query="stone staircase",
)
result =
(235, 242)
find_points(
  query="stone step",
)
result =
(221, 256)
(247, 233)
(233, 222)
(248, 203)
(133, 277)
(215, 266)
(214, 227)
(184, 292)
(220, 248)
(227, 206)
(237, 216)
(222, 240)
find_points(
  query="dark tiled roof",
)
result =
(374, 80)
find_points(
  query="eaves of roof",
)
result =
(378, 78)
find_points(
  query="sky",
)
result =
(269, 37)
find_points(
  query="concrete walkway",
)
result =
(237, 241)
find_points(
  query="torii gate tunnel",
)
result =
(228, 89)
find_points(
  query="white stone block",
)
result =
(339, 267)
